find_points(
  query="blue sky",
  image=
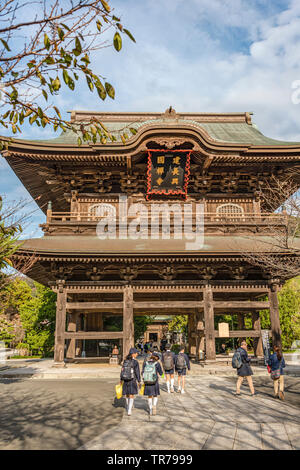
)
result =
(196, 55)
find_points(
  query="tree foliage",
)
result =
(11, 220)
(44, 45)
(34, 309)
(179, 323)
(289, 313)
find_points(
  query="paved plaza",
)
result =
(208, 417)
(84, 414)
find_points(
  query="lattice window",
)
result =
(231, 212)
(101, 210)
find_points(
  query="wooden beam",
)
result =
(94, 305)
(170, 304)
(94, 335)
(241, 334)
(242, 304)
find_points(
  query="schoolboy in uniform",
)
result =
(182, 362)
(168, 362)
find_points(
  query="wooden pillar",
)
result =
(60, 326)
(274, 315)
(192, 334)
(257, 342)
(128, 325)
(241, 321)
(210, 346)
(71, 351)
(100, 321)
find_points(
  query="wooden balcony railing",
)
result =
(209, 218)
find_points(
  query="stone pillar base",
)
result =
(58, 365)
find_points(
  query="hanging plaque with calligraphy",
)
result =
(168, 172)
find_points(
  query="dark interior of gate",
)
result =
(210, 165)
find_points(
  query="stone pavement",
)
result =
(43, 369)
(208, 416)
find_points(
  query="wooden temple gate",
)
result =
(201, 313)
(217, 160)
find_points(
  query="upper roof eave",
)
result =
(39, 147)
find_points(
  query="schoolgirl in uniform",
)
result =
(152, 391)
(168, 362)
(130, 386)
(182, 362)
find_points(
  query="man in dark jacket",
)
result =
(245, 369)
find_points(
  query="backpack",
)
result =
(180, 363)
(127, 371)
(237, 360)
(168, 362)
(150, 374)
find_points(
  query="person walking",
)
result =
(182, 363)
(150, 372)
(277, 363)
(245, 369)
(168, 362)
(130, 377)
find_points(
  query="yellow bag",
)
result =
(141, 392)
(119, 391)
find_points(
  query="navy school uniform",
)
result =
(153, 390)
(169, 371)
(188, 365)
(130, 386)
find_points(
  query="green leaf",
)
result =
(117, 42)
(101, 90)
(90, 83)
(47, 42)
(61, 34)
(94, 130)
(99, 25)
(40, 112)
(105, 6)
(110, 90)
(129, 34)
(49, 60)
(45, 95)
(57, 111)
(79, 141)
(5, 44)
(33, 119)
(78, 45)
(115, 18)
(132, 130)
(66, 76)
(65, 26)
(14, 95)
(56, 84)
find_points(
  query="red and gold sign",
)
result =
(168, 172)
